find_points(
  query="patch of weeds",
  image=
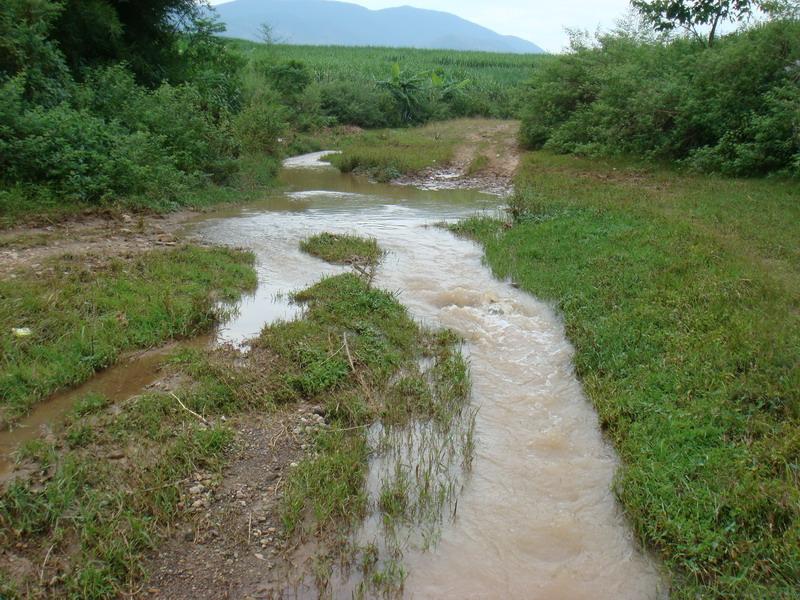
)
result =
(93, 515)
(343, 249)
(79, 435)
(359, 354)
(477, 164)
(89, 404)
(330, 485)
(526, 205)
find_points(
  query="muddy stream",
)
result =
(536, 517)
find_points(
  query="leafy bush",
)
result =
(358, 103)
(81, 156)
(732, 108)
(96, 134)
(260, 125)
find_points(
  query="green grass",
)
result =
(343, 249)
(347, 353)
(82, 313)
(88, 520)
(389, 153)
(681, 297)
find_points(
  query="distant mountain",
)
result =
(326, 22)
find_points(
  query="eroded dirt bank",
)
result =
(88, 239)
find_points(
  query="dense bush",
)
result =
(357, 104)
(260, 125)
(733, 108)
(95, 133)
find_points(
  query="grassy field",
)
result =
(81, 314)
(342, 63)
(681, 295)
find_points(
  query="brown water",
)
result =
(120, 382)
(536, 518)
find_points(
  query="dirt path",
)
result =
(486, 160)
(231, 545)
(90, 238)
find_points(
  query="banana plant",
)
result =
(407, 89)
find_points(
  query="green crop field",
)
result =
(494, 79)
(336, 62)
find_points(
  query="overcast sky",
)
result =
(540, 21)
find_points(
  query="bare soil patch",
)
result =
(90, 237)
(232, 544)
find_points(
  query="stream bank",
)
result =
(532, 426)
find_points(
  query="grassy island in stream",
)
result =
(680, 294)
(343, 249)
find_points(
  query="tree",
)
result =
(782, 9)
(692, 15)
(267, 34)
(144, 34)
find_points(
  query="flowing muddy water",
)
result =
(536, 517)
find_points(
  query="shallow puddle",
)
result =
(536, 518)
(126, 379)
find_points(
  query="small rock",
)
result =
(196, 490)
(260, 556)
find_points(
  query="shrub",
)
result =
(83, 157)
(260, 125)
(732, 108)
(357, 103)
